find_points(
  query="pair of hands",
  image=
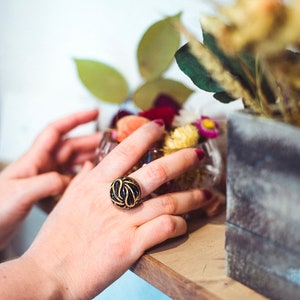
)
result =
(86, 242)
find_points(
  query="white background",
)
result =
(39, 39)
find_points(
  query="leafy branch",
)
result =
(259, 64)
(155, 54)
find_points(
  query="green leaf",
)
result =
(146, 94)
(157, 47)
(223, 97)
(103, 81)
(241, 66)
(244, 67)
(193, 69)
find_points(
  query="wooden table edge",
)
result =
(178, 287)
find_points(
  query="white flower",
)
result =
(185, 117)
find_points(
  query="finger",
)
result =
(122, 158)
(158, 230)
(172, 204)
(44, 185)
(64, 125)
(51, 135)
(73, 147)
(161, 170)
(47, 141)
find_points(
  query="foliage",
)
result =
(146, 94)
(155, 53)
(250, 50)
(101, 80)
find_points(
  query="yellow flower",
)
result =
(182, 137)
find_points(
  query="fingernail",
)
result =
(159, 122)
(200, 153)
(207, 194)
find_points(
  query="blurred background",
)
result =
(39, 83)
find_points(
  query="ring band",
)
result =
(125, 192)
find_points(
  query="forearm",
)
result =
(21, 279)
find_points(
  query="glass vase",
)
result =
(207, 175)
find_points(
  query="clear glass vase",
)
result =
(107, 144)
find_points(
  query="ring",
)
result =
(125, 192)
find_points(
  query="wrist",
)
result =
(22, 278)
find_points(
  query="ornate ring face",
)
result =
(125, 192)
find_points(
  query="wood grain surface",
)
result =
(193, 266)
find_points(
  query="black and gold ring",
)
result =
(125, 192)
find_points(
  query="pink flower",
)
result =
(207, 127)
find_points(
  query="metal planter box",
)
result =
(263, 205)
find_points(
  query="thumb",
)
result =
(44, 185)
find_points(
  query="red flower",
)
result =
(164, 100)
(166, 113)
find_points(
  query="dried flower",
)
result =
(164, 100)
(233, 30)
(258, 63)
(181, 137)
(207, 127)
(119, 115)
(185, 117)
(218, 71)
(128, 124)
(166, 113)
(176, 138)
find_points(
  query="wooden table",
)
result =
(193, 266)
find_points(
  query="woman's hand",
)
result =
(87, 242)
(54, 151)
(44, 170)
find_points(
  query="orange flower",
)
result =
(128, 124)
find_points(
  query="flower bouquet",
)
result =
(184, 129)
(158, 97)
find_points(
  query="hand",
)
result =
(44, 170)
(87, 242)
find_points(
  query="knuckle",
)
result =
(51, 128)
(156, 171)
(196, 194)
(195, 199)
(119, 247)
(169, 204)
(168, 225)
(127, 148)
(57, 181)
